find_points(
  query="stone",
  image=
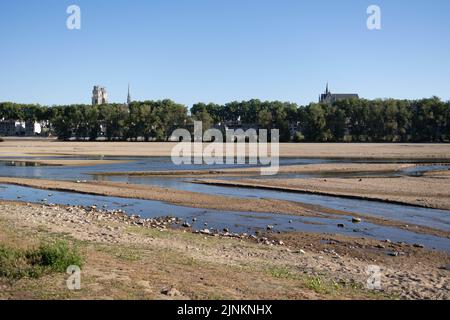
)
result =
(205, 231)
(171, 292)
(269, 227)
(341, 225)
(394, 254)
(356, 220)
(186, 225)
(418, 245)
(226, 230)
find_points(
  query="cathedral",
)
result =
(99, 96)
(330, 98)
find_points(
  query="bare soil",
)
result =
(127, 261)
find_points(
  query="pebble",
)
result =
(356, 220)
(341, 225)
(418, 245)
(269, 227)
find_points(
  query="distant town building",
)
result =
(330, 98)
(32, 128)
(10, 128)
(99, 96)
(7, 128)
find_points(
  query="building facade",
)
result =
(330, 98)
(99, 96)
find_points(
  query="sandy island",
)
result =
(325, 168)
(418, 191)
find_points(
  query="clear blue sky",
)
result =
(222, 50)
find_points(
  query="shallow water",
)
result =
(236, 221)
(439, 219)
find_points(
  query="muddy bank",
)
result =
(126, 259)
(417, 191)
(215, 202)
(328, 168)
(19, 148)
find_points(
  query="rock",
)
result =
(388, 241)
(290, 221)
(226, 230)
(186, 225)
(341, 225)
(379, 246)
(302, 251)
(356, 220)
(418, 245)
(172, 292)
(394, 254)
(194, 219)
(281, 243)
(269, 227)
(205, 231)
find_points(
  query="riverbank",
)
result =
(126, 260)
(380, 151)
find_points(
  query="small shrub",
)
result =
(56, 256)
(51, 257)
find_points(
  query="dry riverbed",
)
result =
(130, 258)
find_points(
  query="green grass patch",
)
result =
(49, 257)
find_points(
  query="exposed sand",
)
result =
(417, 191)
(21, 147)
(128, 261)
(326, 168)
(205, 201)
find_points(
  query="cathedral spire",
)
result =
(327, 91)
(128, 96)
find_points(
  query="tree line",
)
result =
(352, 120)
